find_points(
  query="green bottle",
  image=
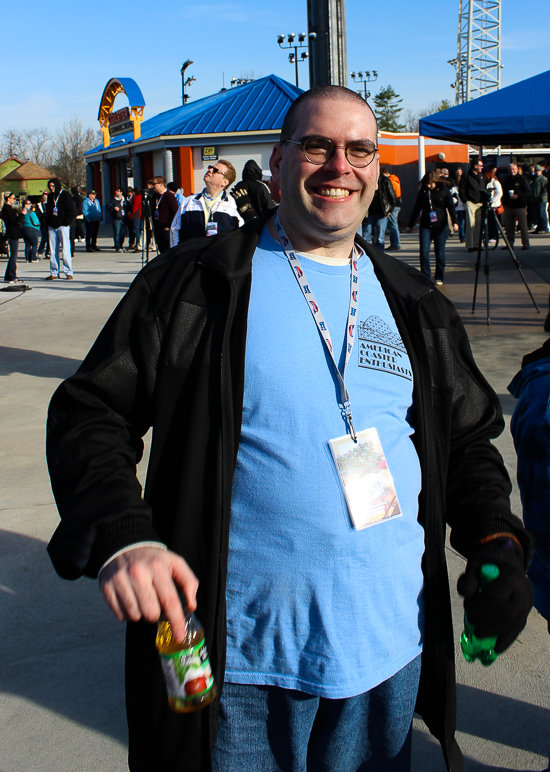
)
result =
(480, 648)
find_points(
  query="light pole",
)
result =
(364, 78)
(184, 83)
(292, 43)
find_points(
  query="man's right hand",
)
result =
(141, 583)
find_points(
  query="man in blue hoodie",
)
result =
(91, 210)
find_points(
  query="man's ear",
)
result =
(275, 163)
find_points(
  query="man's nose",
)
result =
(339, 162)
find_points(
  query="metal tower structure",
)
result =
(477, 63)
(326, 21)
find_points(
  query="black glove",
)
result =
(244, 205)
(501, 608)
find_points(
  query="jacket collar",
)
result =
(232, 254)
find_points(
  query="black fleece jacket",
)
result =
(63, 201)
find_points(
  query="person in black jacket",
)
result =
(13, 234)
(434, 204)
(471, 196)
(44, 234)
(376, 219)
(251, 194)
(165, 209)
(218, 345)
(60, 214)
(515, 193)
(78, 200)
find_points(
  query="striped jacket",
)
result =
(190, 219)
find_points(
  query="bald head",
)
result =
(319, 93)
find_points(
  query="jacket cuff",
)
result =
(116, 536)
(484, 528)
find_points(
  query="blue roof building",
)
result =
(237, 124)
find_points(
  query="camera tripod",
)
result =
(148, 235)
(488, 214)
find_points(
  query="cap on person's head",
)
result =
(90, 192)
(538, 168)
(444, 172)
(172, 186)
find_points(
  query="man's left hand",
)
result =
(501, 607)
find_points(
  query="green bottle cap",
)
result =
(488, 573)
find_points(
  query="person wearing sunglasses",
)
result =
(210, 212)
(317, 420)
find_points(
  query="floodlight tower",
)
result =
(326, 22)
(477, 62)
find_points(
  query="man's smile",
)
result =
(329, 192)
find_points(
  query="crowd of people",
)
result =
(518, 196)
(50, 227)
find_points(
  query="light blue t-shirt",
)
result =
(312, 603)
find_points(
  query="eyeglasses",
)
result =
(215, 169)
(319, 150)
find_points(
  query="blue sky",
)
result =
(71, 49)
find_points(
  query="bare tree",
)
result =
(72, 141)
(14, 142)
(412, 117)
(40, 146)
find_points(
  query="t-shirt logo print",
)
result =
(382, 349)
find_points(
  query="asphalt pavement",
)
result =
(61, 652)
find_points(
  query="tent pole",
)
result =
(421, 158)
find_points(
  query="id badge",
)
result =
(365, 479)
(433, 216)
(211, 228)
(157, 215)
(55, 211)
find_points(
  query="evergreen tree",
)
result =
(386, 109)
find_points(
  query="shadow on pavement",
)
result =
(61, 649)
(30, 362)
(503, 720)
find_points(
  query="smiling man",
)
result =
(317, 418)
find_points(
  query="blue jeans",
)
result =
(393, 229)
(30, 237)
(376, 227)
(11, 267)
(439, 237)
(119, 233)
(269, 729)
(60, 250)
(542, 216)
(461, 215)
(135, 225)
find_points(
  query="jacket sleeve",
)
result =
(462, 189)
(416, 210)
(477, 484)
(95, 424)
(391, 193)
(450, 206)
(176, 224)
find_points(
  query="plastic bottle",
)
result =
(187, 672)
(480, 648)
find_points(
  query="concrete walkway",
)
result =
(61, 653)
